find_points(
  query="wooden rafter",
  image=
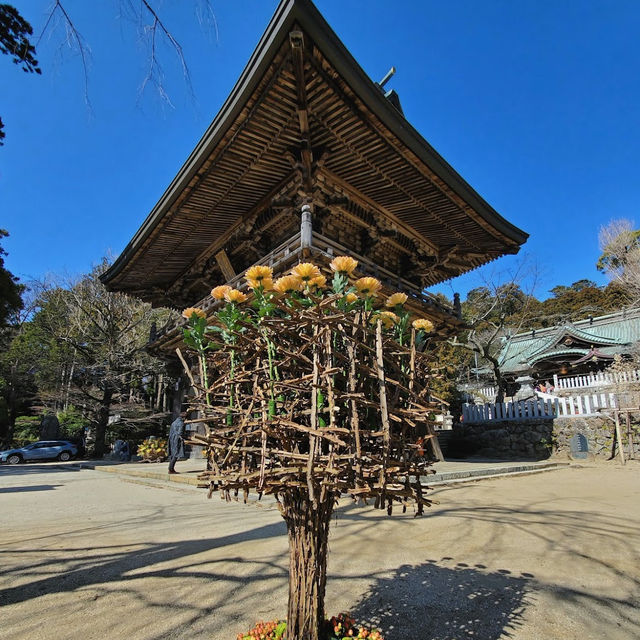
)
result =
(302, 121)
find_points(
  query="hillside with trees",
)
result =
(80, 352)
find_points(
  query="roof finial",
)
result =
(387, 77)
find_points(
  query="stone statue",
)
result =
(49, 427)
(176, 442)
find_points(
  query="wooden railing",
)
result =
(542, 407)
(290, 252)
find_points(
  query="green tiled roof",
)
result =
(611, 334)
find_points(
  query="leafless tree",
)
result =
(620, 258)
(105, 335)
(495, 312)
(151, 30)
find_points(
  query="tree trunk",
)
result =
(12, 406)
(69, 379)
(501, 383)
(308, 530)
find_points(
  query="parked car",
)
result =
(43, 450)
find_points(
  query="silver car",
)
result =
(43, 450)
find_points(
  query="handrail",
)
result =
(292, 247)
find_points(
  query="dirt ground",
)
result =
(91, 555)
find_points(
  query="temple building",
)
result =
(308, 158)
(572, 348)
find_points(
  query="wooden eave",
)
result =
(298, 123)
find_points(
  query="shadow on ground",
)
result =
(70, 569)
(9, 471)
(32, 487)
(439, 602)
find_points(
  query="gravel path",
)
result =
(92, 555)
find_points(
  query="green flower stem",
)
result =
(205, 379)
(232, 371)
(273, 374)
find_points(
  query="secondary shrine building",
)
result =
(308, 158)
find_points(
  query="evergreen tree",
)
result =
(14, 42)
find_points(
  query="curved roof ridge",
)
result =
(556, 352)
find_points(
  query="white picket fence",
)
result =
(479, 392)
(542, 407)
(601, 379)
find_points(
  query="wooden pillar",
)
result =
(306, 227)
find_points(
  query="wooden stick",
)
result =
(186, 367)
(619, 438)
(383, 401)
(314, 422)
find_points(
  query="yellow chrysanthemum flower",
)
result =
(266, 283)
(234, 295)
(319, 282)
(218, 292)
(193, 311)
(344, 264)
(388, 319)
(395, 299)
(351, 297)
(423, 324)
(259, 273)
(287, 284)
(368, 286)
(306, 271)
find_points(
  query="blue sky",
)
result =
(534, 103)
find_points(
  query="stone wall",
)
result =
(598, 432)
(538, 439)
(530, 439)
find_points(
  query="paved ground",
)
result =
(86, 555)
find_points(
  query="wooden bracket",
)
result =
(225, 265)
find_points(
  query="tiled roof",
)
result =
(611, 333)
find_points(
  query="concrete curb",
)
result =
(451, 477)
(182, 478)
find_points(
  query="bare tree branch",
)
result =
(73, 39)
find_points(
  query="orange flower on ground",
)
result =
(234, 295)
(423, 324)
(218, 292)
(368, 286)
(351, 297)
(344, 264)
(396, 299)
(259, 273)
(306, 271)
(266, 283)
(287, 284)
(193, 311)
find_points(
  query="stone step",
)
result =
(493, 472)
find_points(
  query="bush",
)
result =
(71, 420)
(27, 430)
(153, 449)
